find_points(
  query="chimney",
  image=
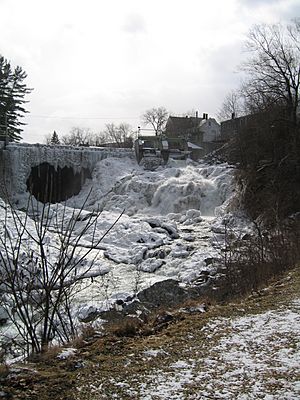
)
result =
(203, 117)
(233, 115)
(196, 114)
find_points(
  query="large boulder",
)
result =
(166, 293)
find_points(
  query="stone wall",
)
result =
(17, 160)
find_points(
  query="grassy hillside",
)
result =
(248, 347)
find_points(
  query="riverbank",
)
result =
(244, 349)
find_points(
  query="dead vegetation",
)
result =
(121, 357)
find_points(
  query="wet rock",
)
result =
(218, 229)
(167, 293)
(88, 314)
(135, 308)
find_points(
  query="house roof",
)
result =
(184, 123)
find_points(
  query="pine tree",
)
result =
(54, 139)
(12, 93)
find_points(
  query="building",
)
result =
(202, 132)
(235, 125)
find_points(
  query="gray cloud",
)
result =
(255, 3)
(91, 62)
(292, 12)
(286, 9)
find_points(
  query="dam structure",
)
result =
(51, 173)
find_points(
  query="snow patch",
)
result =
(66, 353)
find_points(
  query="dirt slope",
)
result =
(243, 350)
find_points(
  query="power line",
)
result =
(88, 118)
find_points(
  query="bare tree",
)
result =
(121, 135)
(274, 68)
(42, 262)
(79, 137)
(125, 131)
(156, 117)
(232, 106)
(112, 134)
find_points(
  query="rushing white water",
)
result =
(165, 230)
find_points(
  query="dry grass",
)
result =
(106, 361)
(127, 327)
(4, 371)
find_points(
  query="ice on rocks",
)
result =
(179, 251)
(164, 231)
(151, 265)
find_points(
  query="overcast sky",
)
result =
(98, 61)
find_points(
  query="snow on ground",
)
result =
(66, 353)
(251, 357)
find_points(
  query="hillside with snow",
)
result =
(244, 350)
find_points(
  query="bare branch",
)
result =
(156, 117)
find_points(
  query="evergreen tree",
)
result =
(12, 93)
(54, 139)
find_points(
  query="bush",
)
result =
(250, 262)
